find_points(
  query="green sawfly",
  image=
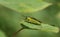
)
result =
(32, 20)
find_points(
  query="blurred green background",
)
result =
(11, 11)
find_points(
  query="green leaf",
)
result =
(25, 5)
(43, 27)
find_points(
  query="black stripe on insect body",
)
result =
(36, 19)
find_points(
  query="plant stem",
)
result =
(17, 32)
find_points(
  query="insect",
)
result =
(32, 20)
